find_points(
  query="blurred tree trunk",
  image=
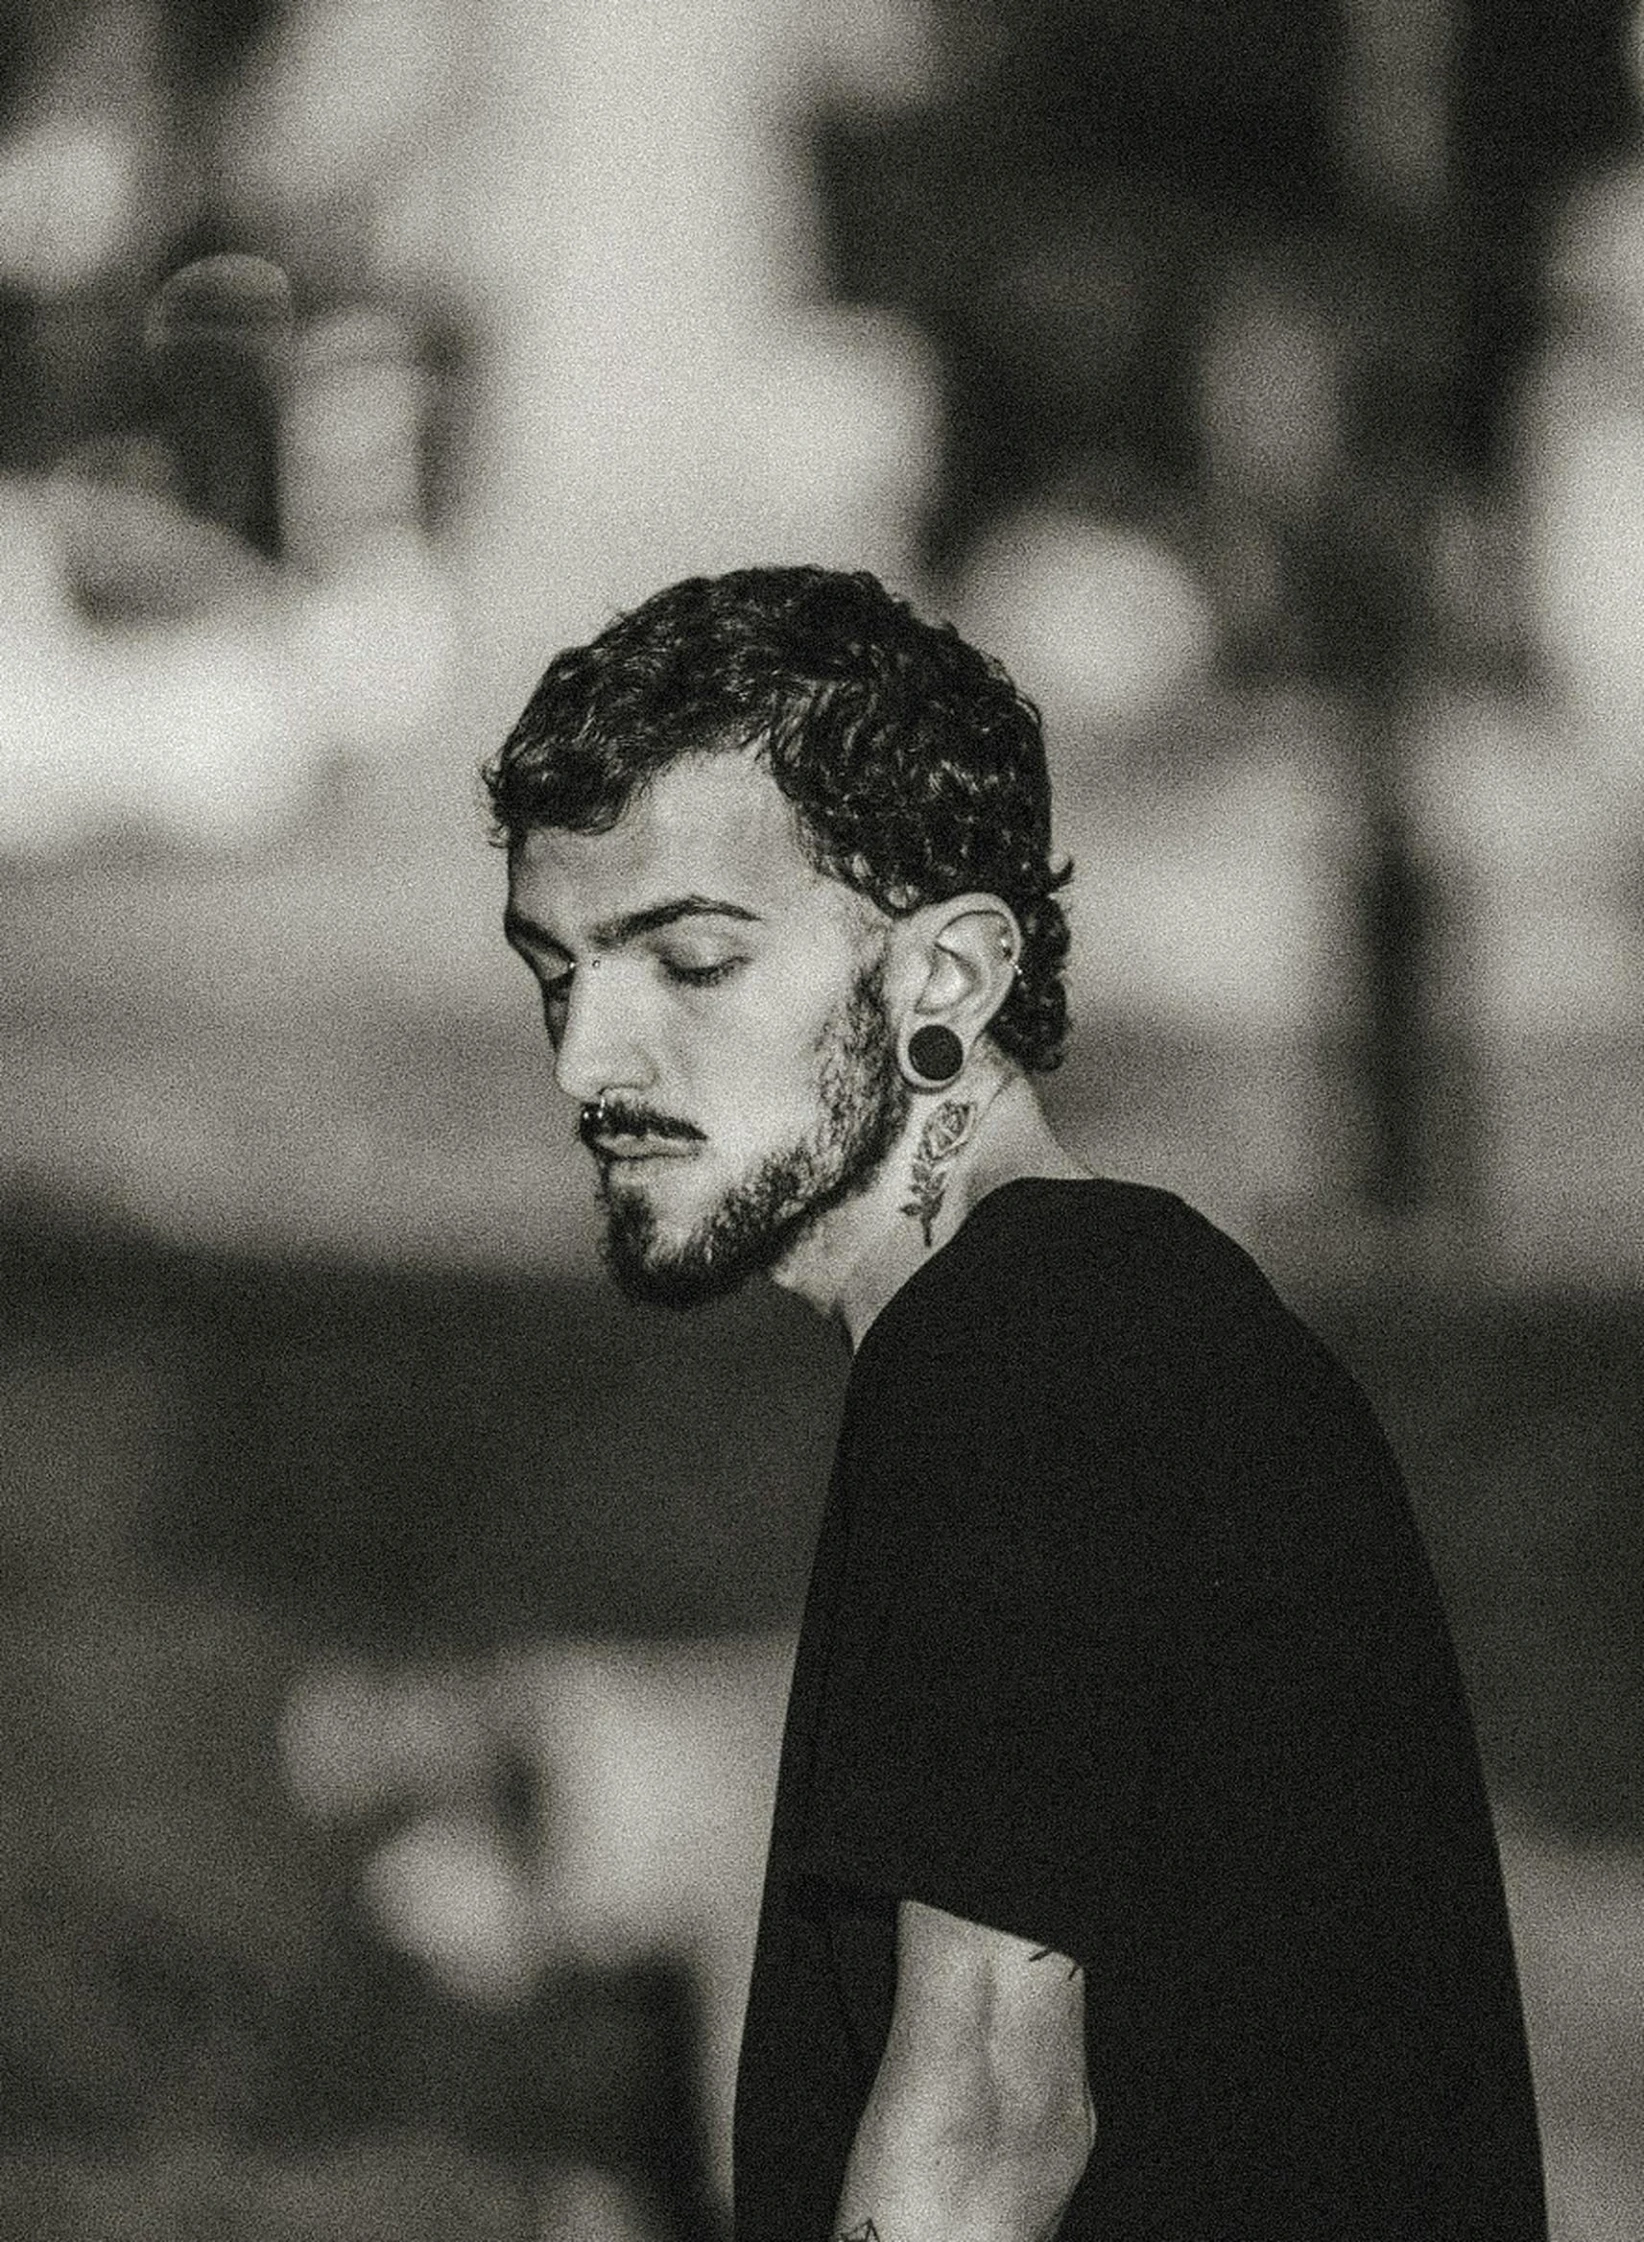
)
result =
(1403, 366)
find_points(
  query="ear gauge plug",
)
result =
(934, 1056)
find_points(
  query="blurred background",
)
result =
(396, 1627)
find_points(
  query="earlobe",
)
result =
(932, 1056)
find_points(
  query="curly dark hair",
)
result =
(916, 768)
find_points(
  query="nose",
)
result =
(599, 1047)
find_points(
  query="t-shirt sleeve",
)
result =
(1091, 1643)
(983, 1733)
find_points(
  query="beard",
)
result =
(863, 1104)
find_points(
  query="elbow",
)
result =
(1048, 2149)
(961, 2149)
(1026, 2152)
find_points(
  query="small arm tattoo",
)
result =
(1049, 1954)
(866, 2232)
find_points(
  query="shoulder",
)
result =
(1112, 1266)
(1099, 1225)
(1118, 1308)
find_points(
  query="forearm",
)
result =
(947, 2156)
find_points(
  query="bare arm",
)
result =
(979, 2122)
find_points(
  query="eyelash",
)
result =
(700, 976)
(686, 976)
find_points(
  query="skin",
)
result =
(980, 2120)
(697, 973)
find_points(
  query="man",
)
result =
(1131, 1872)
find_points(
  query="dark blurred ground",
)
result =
(441, 1464)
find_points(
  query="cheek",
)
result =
(763, 1061)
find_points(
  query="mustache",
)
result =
(614, 1118)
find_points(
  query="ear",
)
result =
(961, 962)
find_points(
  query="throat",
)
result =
(955, 1150)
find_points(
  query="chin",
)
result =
(678, 1263)
(661, 1214)
(668, 1273)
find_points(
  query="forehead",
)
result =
(714, 826)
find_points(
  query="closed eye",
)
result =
(700, 976)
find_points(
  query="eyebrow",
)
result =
(610, 934)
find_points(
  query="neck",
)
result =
(959, 1143)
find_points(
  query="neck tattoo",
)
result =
(948, 1128)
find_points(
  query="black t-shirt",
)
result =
(1120, 1638)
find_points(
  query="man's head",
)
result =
(759, 830)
